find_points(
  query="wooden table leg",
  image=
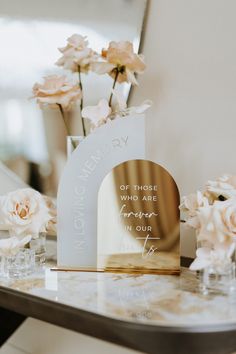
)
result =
(9, 322)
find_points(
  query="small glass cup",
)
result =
(38, 245)
(19, 265)
(72, 143)
(218, 279)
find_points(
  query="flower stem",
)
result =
(81, 101)
(66, 126)
(114, 84)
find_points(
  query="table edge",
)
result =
(118, 331)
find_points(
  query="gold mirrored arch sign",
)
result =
(139, 220)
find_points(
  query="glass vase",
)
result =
(19, 265)
(218, 279)
(38, 245)
(72, 143)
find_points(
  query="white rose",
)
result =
(207, 257)
(25, 212)
(11, 246)
(218, 222)
(190, 205)
(224, 187)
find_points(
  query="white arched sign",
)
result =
(113, 143)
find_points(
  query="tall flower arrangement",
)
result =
(212, 213)
(118, 61)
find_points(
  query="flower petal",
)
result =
(97, 113)
(199, 263)
(102, 67)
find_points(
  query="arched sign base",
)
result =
(113, 143)
(116, 210)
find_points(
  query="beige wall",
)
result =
(190, 50)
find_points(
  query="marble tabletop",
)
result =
(159, 300)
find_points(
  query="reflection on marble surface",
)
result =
(151, 299)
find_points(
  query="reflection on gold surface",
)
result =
(138, 220)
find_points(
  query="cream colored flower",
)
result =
(212, 257)
(11, 246)
(76, 54)
(76, 41)
(25, 212)
(98, 115)
(120, 59)
(56, 90)
(121, 105)
(218, 222)
(224, 187)
(190, 205)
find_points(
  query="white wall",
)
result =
(190, 50)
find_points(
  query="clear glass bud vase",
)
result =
(218, 279)
(72, 143)
(38, 245)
